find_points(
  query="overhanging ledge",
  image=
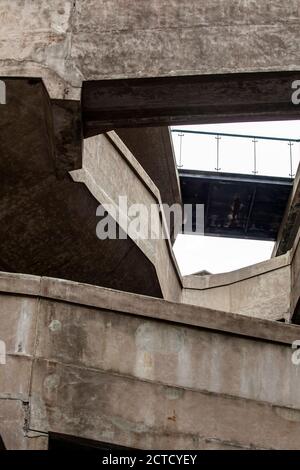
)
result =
(180, 100)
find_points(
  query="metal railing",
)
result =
(256, 139)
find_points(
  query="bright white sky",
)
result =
(216, 254)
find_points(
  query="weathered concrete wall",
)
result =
(153, 149)
(48, 221)
(17, 330)
(143, 372)
(66, 42)
(291, 221)
(295, 279)
(262, 290)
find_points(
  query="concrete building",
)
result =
(105, 342)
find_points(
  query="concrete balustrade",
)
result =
(141, 372)
(262, 290)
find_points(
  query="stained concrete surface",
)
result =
(153, 148)
(262, 290)
(66, 42)
(290, 224)
(110, 171)
(48, 220)
(295, 281)
(210, 379)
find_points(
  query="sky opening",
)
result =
(195, 253)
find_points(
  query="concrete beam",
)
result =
(187, 100)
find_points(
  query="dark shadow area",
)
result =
(296, 315)
(2, 446)
(58, 442)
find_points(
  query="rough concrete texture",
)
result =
(14, 427)
(66, 42)
(185, 100)
(103, 364)
(262, 290)
(153, 148)
(295, 280)
(291, 221)
(49, 220)
(43, 229)
(210, 379)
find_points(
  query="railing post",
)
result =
(180, 149)
(291, 160)
(218, 138)
(254, 155)
(255, 139)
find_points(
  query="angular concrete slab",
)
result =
(49, 220)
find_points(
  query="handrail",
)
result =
(244, 136)
(255, 139)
